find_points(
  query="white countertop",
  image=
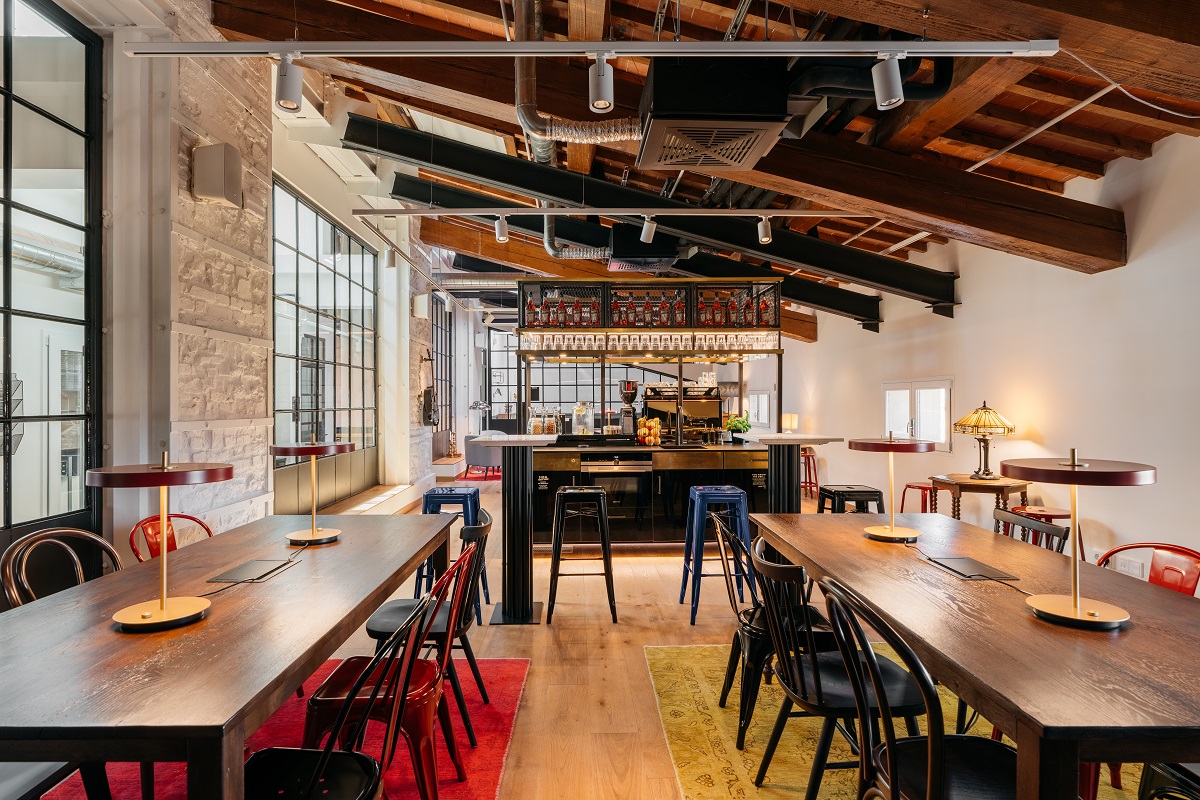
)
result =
(516, 441)
(790, 438)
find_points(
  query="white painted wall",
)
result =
(1106, 363)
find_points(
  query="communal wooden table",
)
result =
(1064, 695)
(74, 688)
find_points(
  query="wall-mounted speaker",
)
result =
(217, 174)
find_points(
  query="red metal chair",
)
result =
(809, 480)
(1174, 567)
(425, 697)
(149, 530)
(924, 487)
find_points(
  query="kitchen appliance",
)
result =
(627, 480)
(629, 391)
(697, 413)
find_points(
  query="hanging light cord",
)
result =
(1129, 94)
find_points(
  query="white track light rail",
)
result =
(562, 211)
(1036, 48)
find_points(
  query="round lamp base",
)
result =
(149, 616)
(991, 476)
(309, 537)
(886, 533)
(1093, 614)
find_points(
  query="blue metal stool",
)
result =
(699, 499)
(468, 498)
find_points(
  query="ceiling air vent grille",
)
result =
(709, 147)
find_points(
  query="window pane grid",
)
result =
(324, 356)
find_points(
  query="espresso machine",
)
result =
(629, 390)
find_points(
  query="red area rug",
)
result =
(478, 475)
(493, 723)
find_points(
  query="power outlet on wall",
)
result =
(1094, 555)
(1130, 566)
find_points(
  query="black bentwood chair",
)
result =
(384, 621)
(751, 648)
(818, 682)
(297, 773)
(936, 766)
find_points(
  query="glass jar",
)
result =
(550, 427)
(581, 419)
(537, 423)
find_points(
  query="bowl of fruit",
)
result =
(649, 431)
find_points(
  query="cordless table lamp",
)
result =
(891, 446)
(313, 535)
(983, 423)
(1071, 609)
(165, 612)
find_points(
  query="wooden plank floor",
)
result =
(588, 723)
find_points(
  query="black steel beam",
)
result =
(548, 183)
(863, 308)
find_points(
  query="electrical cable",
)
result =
(272, 574)
(1127, 93)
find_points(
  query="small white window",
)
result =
(919, 409)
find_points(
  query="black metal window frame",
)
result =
(310, 412)
(88, 516)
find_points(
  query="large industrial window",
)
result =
(324, 328)
(49, 309)
(443, 373)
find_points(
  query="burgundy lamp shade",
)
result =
(1089, 472)
(141, 476)
(892, 445)
(311, 448)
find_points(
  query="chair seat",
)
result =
(283, 773)
(336, 687)
(976, 768)
(392, 614)
(837, 695)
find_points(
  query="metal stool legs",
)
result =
(572, 496)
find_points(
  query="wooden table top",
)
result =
(66, 671)
(1134, 684)
(964, 480)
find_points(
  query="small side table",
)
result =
(958, 483)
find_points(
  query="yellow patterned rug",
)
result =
(701, 735)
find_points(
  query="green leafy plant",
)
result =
(738, 424)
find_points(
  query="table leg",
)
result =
(784, 476)
(1024, 498)
(1046, 769)
(95, 781)
(215, 767)
(933, 500)
(516, 485)
(1001, 502)
(956, 503)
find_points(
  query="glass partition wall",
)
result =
(50, 82)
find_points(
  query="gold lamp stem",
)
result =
(1075, 546)
(162, 545)
(313, 466)
(892, 489)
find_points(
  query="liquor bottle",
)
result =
(702, 317)
(544, 314)
(563, 317)
(616, 315)
(630, 313)
(748, 312)
(664, 313)
(764, 313)
(531, 314)
(595, 317)
(680, 313)
(718, 313)
(577, 314)
(648, 313)
(731, 318)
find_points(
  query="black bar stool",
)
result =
(589, 501)
(839, 496)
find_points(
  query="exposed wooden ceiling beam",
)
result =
(1068, 134)
(513, 253)
(802, 327)
(976, 81)
(587, 20)
(946, 201)
(1039, 182)
(1113, 105)
(1035, 154)
(1103, 33)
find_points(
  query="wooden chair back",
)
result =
(785, 590)
(1055, 536)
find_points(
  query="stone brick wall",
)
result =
(221, 311)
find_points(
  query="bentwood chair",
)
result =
(148, 528)
(819, 682)
(1051, 536)
(390, 614)
(19, 591)
(288, 773)
(945, 767)
(424, 699)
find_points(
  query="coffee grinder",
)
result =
(629, 390)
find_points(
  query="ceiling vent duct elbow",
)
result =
(712, 114)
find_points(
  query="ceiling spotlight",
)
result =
(764, 231)
(289, 85)
(389, 258)
(600, 86)
(501, 229)
(648, 228)
(889, 85)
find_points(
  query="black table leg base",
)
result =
(501, 618)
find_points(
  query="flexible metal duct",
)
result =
(50, 262)
(544, 131)
(566, 251)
